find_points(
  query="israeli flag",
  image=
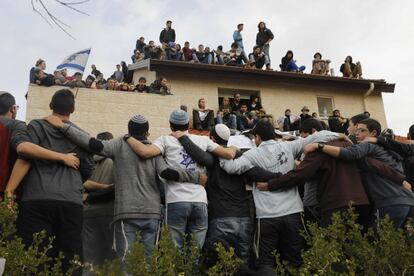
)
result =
(76, 61)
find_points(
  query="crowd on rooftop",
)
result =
(169, 49)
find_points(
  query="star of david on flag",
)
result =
(76, 61)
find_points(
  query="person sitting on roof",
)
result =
(289, 122)
(351, 70)
(42, 78)
(256, 105)
(320, 66)
(187, 52)
(257, 59)
(167, 34)
(225, 115)
(245, 119)
(112, 84)
(152, 51)
(137, 56)
(203, 118)
(160, 86)
(202, 56)
(173, 51)
(100, 82)
(234, 56)
(289, 64)
(59, 78)
(219, 58)
(142, 86)
(337, 123)
(140, 44)
(90, 82)
(41, 64)
(77, 81)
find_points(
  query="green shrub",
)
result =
(342, 249)
(31, 260)
(339, 249)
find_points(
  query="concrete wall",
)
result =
(101, 110)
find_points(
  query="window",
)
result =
(325, 106)
(244, 94)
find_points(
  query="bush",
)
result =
(31, 260)
(340, 249)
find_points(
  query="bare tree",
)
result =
(42, 9)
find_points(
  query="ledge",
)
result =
(231, 72)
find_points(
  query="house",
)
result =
(102, 110)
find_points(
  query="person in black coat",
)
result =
(263, 38)
(167, 34)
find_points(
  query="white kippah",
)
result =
(222, 131)
(139, 119)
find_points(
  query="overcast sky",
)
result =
(379, 34)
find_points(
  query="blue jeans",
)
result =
(399, 214)
(187, 218)
(265, 50)
(293, 67)
(241, 228)
(126, 231)
(231, 122)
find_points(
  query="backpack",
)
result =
(5, 157)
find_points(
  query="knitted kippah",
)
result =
(179, 117)
(138, 125)
(139, 119)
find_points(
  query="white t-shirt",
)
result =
(176, 156)
(203, 114)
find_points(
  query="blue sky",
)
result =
(377, 33)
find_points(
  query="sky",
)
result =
(379, 34)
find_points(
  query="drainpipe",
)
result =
(369, 92)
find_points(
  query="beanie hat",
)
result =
(222, 131)
(179, 117)
(138, 125)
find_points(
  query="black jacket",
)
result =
(405, 150)
(167, 36)
(227, 195)
(140, 46)
(263, 37)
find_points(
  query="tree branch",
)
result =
(51, 19)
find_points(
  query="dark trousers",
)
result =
(97, 239)
(282, 234)
(61, 220)
(206, 124)
(364, 215)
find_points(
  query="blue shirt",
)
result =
(237, 37)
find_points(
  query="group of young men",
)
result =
(197, 184)
(237, 115)
(236, 56)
